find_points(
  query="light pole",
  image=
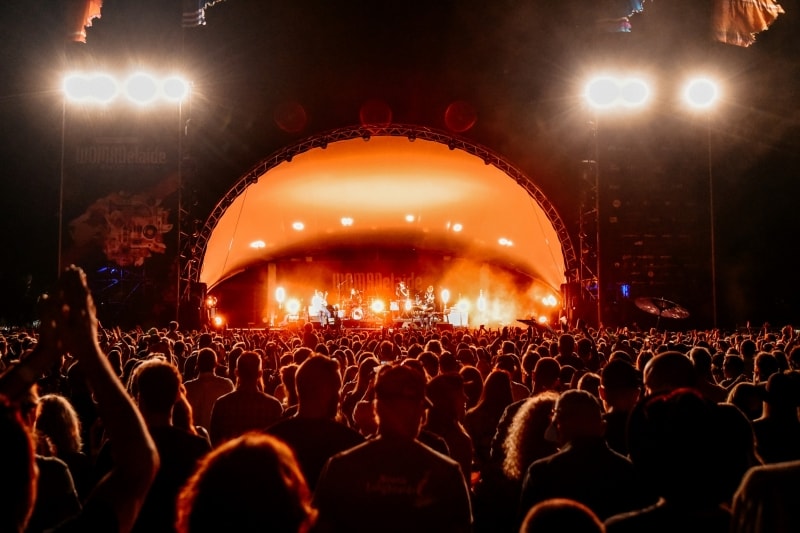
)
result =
(702, 94)
(608, 93)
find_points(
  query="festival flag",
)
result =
(737, 22)
(80, 14)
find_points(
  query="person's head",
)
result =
(733, 366)
(248, 369)
(509, 363)
(18, 489)
(399, 401)
(473, 384)
(497, 390)
(560, 514)
(158, 385)
(301, 353)
(57, 419)
(430, 361)
(620, 385)
(783, 394)
(590, 382)
(318, 383)
(446, 393)
(249, 483)
(448, 363)
(748, 349)
(546, 374)
(668, 371)
(583, 348)
(766, 364)
(566, 344)
(577, 414)
(525, 441)
(674, 438)
(206, 360)
(748, 397)
(701, 359)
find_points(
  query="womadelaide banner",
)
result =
(120, 201)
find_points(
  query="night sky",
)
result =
(517, 63)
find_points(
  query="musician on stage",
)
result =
(429, 300)
(319, 302)
(402, 291)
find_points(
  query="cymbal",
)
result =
(661, 307)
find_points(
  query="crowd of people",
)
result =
(324, 430)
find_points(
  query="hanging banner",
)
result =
(120, 199)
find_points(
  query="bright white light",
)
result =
(347, 221)
(482, 303)
(409, 218)
(549, 301)
(90, 88)
(218, 321)
(463, 305)
(605, 92)
(543, 320)
(211, 302)
(445, 296)
(701, 93)
(280, 294)
(141, 89)
(634, 92)
(502, 241)
(175, 89)
(602, 92)
(377, 306)
(298, 226)
(293, 306)
(457, 227)
(258, 245)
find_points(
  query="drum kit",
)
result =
(355, 306)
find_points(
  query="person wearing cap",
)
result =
(393, 482)
(584, 469)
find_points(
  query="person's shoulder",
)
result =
(50, 464)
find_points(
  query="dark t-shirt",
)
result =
(390, 485)
(179, 453)
(314, 441)
(663, 518)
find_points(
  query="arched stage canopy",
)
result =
(399, 189)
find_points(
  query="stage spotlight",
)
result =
(377, 306)
(701, 93)
(293, 306)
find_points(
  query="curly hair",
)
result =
(525, 440)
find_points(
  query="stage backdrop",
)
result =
(249, 298)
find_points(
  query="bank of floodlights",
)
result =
(605, 92)
(138, 88)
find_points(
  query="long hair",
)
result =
(251, 483)
(525, 441)
(57, 420)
